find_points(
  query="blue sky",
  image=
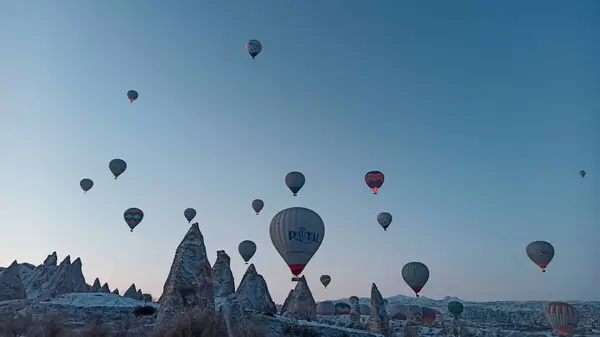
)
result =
(480, 115)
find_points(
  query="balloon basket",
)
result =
(295, 279)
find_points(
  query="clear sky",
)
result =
(480, 114)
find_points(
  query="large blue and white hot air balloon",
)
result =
(297, 234)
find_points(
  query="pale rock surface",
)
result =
(355, 315)
(40, 275)
(11, 286)
(115, 291)
(68, 278)
(326, 308)
(105, 289)
(302, 305)
(96, 286)
(224, 284)
(190, 283)
(131, 292)
(378, 320)
(253, 293)
(287, 301)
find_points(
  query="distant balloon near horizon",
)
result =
(416, 275)
(132, 95)
(541, 253)
(455, 308)
(257, 205)
(582, 173)
(563, 317)
(384, 219)
(374, 179)
(117, 167)
(86, 184)
(189, 214)
(295, 181)
(254, 47)
(297, 234)
(247, 249)
(325, 280)
(133, 216)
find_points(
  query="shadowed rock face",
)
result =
(378, 320)
(115, 292)
(131, 292)
(105, 288)
(96, 286)
(11, 286)
(190, 282)
(253, 293)
(41, 275)
(68, 278)
(223, 277)
(287, 301)
(302, 304)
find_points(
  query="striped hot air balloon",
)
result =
(416, 275)
(563, 317)
(541, 253)
(374, 179)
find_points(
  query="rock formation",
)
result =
(378, 320)
(253, 293)
(147, 298)
(365, 309)
(326, 308)
(139, 295)
(68, 278)
(287, 301)
(302, 305)
(189, 284)
(355, 315)
(342, 308)
(96, 286)
(223, 277)
(11, 286)
(40, 275)
(115, 292)
(131, 292)
(105, 288)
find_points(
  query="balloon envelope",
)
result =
(384, 219)
(429, 315)
(582, 174)
(257, 205)
(455, 308)
(247, 249)
(415, 274)
(117, 167)
(189, 214)
(374, 179)
(86, 184)
(132, 95)
(541, 253)
(297, 234)
(254, 47)
(325, 280)
(563, 317)
(133, 216)
(294, 181)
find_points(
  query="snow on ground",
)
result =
(317, 324)
(98, 300)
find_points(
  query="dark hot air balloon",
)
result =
(374, 180)
(132, 95)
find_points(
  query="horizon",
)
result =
(480, 116)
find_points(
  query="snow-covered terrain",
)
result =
(50, 291)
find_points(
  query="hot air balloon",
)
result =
(563, 317)
(295, 181)
(455, 308)
(247, 249)
(415, 311)
(429, 315)
(254, 48)
(189, 214)
(342, 308)
(325, 280)
(353, 300)
(257, 205)
(384, 219)
(374, 180)
(297, 234)
(582, 173)
(132, 95)
(133, 217)
(86, 184)
(117, 167)
(415, 274)
(541, 253)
